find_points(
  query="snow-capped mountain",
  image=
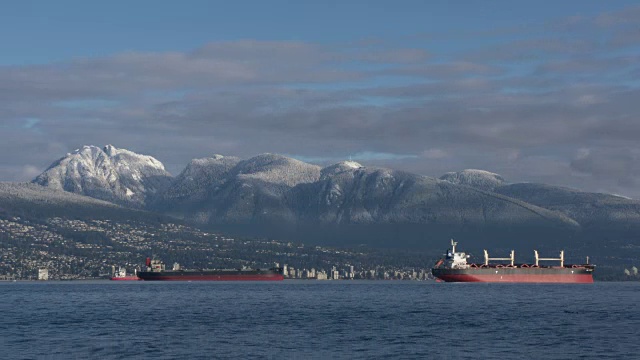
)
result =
(238, 191)
(343, 167)
(117, 175)
(277, 169)
(589, 209)
(274, 188)
(364, 195)
(198, 177)
(358, 203)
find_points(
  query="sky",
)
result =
(537, 91)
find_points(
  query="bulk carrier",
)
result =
(454, 268)
(155, 271)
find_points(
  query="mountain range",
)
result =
(274, 195)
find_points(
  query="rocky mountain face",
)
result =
(116, 175)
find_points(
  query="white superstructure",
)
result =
(456, 260)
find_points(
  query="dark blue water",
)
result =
(325, 320)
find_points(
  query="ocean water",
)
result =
(318, 319)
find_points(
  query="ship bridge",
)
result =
(456, 260)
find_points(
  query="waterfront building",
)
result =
(43, 274)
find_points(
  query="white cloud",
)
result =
(373, 100)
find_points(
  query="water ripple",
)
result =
(307, 320)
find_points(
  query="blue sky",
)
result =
(539, 91)
(45, 31)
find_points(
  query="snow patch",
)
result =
(622, 196)
(479, 172)
(480, 179)
(351, 164)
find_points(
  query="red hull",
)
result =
(519, 278)
(454, 268)
(126, 278)
(275, 277)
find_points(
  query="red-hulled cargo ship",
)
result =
(454, 268)
(156, 272)
(121, 275)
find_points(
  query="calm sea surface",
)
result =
(315, 319)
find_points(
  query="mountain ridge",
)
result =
(272, 191)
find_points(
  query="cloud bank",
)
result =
(555, 102)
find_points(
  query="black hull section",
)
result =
(212, 275)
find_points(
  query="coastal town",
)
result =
(72, 249)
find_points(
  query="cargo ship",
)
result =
(455, 268)
(155, 271)
(121, 275)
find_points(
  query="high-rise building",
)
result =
(43, 274)
(335, 274)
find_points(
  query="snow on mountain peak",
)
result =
(111, 174)
(343, 166)
(273, 168)
(480, 179)
(351, 164)
(479, 172)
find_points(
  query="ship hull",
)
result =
(126, 278)
(212, 275)
(515, 275)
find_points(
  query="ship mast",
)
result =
(561, 258)
(512, 257)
